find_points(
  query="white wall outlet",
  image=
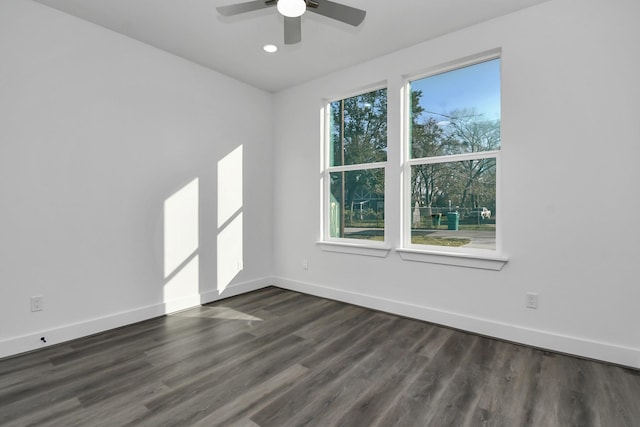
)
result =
(37, 303)
(305, 264)
(532, 300)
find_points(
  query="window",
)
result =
(447, 162)
(452, 160)
(356, 162)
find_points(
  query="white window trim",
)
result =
(471, 260)
(451, 66)
(350, 246)
(463, 257)
(342, 244)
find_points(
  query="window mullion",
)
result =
(357, 167)
(453, 158)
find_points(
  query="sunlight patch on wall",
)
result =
(230, 261)
(230, 221)
(229, 186)
(181, 243)
(183, 284)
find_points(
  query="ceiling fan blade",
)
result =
(339, 12)
(292, 30)
(238, 8)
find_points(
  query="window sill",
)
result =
(355, 249)
(487, 262)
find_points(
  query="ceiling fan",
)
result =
(292, 10)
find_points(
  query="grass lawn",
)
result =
(439, 241)
(485, 227)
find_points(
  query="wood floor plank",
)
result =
(623, 389)
(256, 398)
(421, 397)
(555, 401)
(40, 416)
(511, 378)
(195, 400)
(327, 406)
(372, 405)
(336, 359)
(397, 340)
(436, 337)
(63, 387)
(344, 339)
(197, 343)
(290, 305)
(274, 358)
(298, 316)
(256, 298)
(457, 401)
(322, 328)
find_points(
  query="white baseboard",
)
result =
(582, 347)
(236, 289)
(29, 342)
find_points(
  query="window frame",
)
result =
(465, 257)
(345, 244)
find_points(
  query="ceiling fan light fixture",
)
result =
(292, 8)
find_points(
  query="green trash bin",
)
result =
(453, 220)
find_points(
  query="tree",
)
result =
(470, 182)
(472, 135)
(427, 139)
(359, 136)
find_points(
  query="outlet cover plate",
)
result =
(532, 300)
(37, 303)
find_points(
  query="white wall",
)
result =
(97, 132)
(571, 143)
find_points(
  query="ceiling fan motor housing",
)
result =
(292, 22)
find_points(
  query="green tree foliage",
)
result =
(359, 129)
(359, 136)
(428, 139)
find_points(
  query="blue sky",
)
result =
(476, 86)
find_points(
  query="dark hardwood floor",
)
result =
(280, 358)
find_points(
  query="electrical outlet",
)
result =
(532, 300)
(305, 264)
(37, 303)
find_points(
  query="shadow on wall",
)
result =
(230, 223)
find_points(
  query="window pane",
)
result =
(361, 215)
(358, 129)
(456, 112)
(454, 204)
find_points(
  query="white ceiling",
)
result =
(194, 30)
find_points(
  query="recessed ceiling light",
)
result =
(270, 48)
